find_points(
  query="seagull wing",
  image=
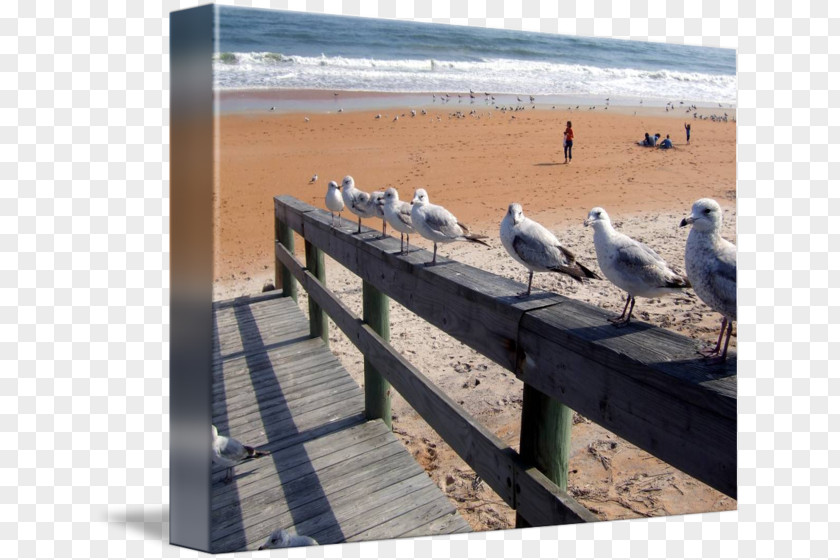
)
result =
(648, 265)
(724, 278)
(404, 213)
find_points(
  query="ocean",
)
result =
(269, 50)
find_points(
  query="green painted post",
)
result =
(278, 266)
(375, 312)
(286, 237)
(318, 325)
(545, 438)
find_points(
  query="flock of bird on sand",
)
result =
(629, 264)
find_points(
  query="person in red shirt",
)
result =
(568, 136)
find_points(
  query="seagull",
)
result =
(281, 538)
(229, 452)
(334, 201)
(357, 201)
(313, 179)
(632, 266)
(305, 119)
(710, 266)
(537, 249)
(398, 214)
(437, 224)
(376, 202)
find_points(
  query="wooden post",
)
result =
(375, 312)
(286, 237)
(545, 438)
(318, 325)
(278, 266)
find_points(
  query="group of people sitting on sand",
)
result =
(653, 141)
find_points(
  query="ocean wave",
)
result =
(242, 70)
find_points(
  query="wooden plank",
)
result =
(304, 484)
(420, 518)
(378, 507)
(275, 354)
(542, 503)
(488, 455)
(321, 453)
(376, 313)
(246, 300)
(445, 525)
(308, 514)
(334, 394)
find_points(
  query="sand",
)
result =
(476, 166)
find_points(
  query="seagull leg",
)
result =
(722, 357)
(360, 225)
(383, 228)
(229, 475)
(528, 291)
(434, 257)
(620, 321)
(716, 350)
(402, 250)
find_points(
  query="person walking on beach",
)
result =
(687, 133)
(568, 136)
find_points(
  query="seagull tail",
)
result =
(255, 452)
(678, 282)
(588, 273)
(477, 239)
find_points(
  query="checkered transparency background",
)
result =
(84, 276)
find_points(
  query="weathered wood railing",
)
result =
(641, 382)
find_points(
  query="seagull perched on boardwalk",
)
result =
(710, 266)
(281, 538)
(398, 214)
(334, 201)
(229, 452)
(357, 201)
(537, 249)
(632, 266)
(437, 224)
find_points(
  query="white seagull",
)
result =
(710, 266)
(437, 224)
(398, 214)
(313, 179)
(281, 538)
(356, 201)
(632, 266)
(537, 249)
(334, 201)
(229, 452)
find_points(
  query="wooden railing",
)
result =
(645, 384)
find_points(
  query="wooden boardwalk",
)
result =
(332, 474)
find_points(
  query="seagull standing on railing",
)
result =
(537, 249)
(229, 452)
(357, 201)
(437, 224)
(334, 201)
(632, 266)
(398, 214)
(710, 263)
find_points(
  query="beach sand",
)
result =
(476, 166)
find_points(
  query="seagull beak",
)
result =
(687, 221)
(586, 222)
